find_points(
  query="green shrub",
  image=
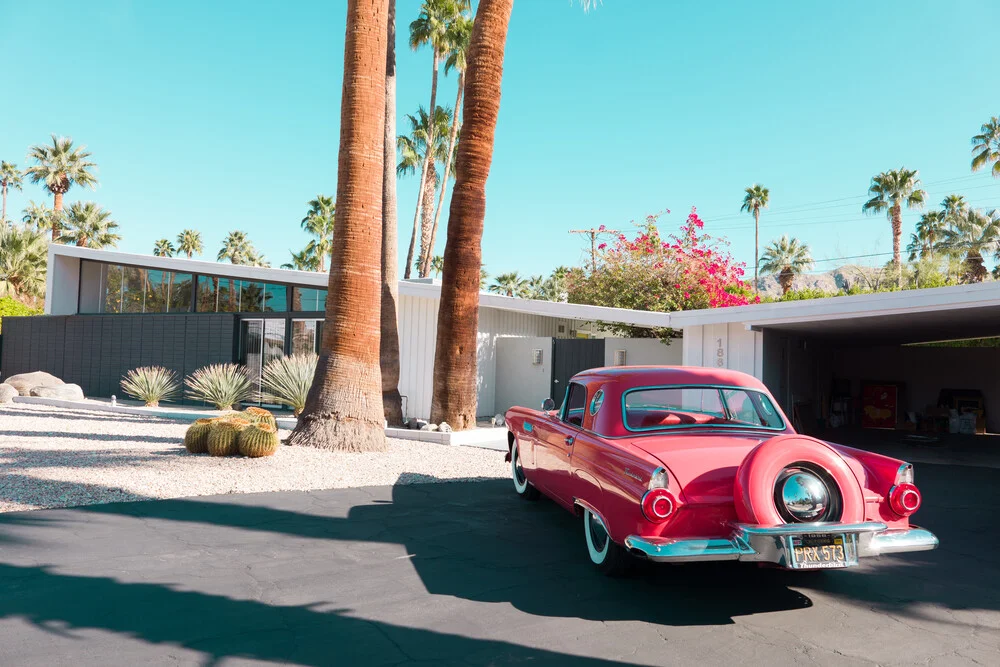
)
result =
(260, 416)
(222, 385)
(10, 307)
(196, 437)
(258, 440)
(223, 437)
(151, 384)
(286, 380)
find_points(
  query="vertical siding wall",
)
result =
(95, 351)
(644, 352)
(724, 346)
(418, 333)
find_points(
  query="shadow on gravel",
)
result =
(98, 437)
(81, 414)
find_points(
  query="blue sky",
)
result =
(225, 115)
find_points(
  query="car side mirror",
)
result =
(548, 404)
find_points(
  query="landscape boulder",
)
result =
(7, 393)
(66, 392)
(25, 382)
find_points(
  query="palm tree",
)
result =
(458, 37)
(235, 247)
(164, 248)
(60, 166)
(89, 226)
(344, 408)
(304, 260)
(889, 191)
(10, 179)
(786, 258)
(255, 258)
(319, 223)
(412, 155)
(437, 265)
(509, 284)
(431, 27)
(23, 254)
(978, 234)
(930, 230)
(986, 147)
(37, 216)
(537, 288)
(392, 401)
(757, 197)
(189, 242)
(955, 207)
(458, 314)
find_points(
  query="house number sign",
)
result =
(720, 354)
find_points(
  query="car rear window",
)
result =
(656, 408)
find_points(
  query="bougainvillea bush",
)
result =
(684, 271)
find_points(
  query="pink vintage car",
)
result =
(676, 464)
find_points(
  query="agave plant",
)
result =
(286, 380)
(222, 385)
(151, 384)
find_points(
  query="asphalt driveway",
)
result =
(466, 573)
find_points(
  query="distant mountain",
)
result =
(831, 281)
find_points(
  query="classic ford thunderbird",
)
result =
(675, 464)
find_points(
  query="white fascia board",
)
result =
(846, 307)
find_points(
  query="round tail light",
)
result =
(657, 505)
(904, 499)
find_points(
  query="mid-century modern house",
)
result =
(108, 312)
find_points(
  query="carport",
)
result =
(871, 360)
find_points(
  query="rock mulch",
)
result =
(56, 457)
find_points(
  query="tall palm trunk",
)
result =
(897, 233)
(57, 207)
(392, 402)
(458, 316)
(3, 212)
(425, 169)
(447, 172)
(756, 245)
(426, 220)
(322, 262)
(344, 408)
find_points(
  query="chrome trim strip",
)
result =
(769, 544)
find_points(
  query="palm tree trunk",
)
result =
(392, 402)
(3, 212)
(344, 409)
(756, 246)
(57, 207)
(427, 220)
(897, 234)
(447, 171)
(413, 235)
(322, 262)
(458, 316)
(425, 170)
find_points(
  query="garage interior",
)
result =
(924, 378)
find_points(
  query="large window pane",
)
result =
(275, 298)
(113, 279)
(157, 291)
(133, 290)
(179, 293)
(304, 338)
(308, 299)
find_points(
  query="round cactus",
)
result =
(258, 440)
(260, 416)
(223, 436)
(196, 437)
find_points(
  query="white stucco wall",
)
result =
(644, 352)
(518, 381)
(417, 335)
(62, 285)
(726, 345)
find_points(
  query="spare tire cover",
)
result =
(754, 488)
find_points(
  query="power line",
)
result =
(593, 233)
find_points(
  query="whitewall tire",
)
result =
(609, 557)
(522, 486)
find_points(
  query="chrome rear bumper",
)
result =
(773, 544)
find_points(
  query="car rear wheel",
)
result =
(610, 558)
(521, 484)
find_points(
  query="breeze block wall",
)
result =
(95, 351)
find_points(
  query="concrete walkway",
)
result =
(465, 573)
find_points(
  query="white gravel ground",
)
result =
(55, 457)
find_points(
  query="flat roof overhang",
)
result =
(908, 316)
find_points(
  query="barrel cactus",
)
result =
(196, 437)
(260, 416)
(223, 436)
(258, 440)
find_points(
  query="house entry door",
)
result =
(261, 340)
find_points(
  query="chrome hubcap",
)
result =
(598, 535)
(805, 496)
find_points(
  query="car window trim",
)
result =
(565, 405)
(681, 427)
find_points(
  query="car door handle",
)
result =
(569, 440)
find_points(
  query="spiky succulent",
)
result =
(223, 437)
(260, 416)
(151, 384)
(258, 440)
(286, 380)
(196, 437)
(222, 385)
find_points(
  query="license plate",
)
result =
(822, 551)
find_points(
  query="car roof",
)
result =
(669, 375)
